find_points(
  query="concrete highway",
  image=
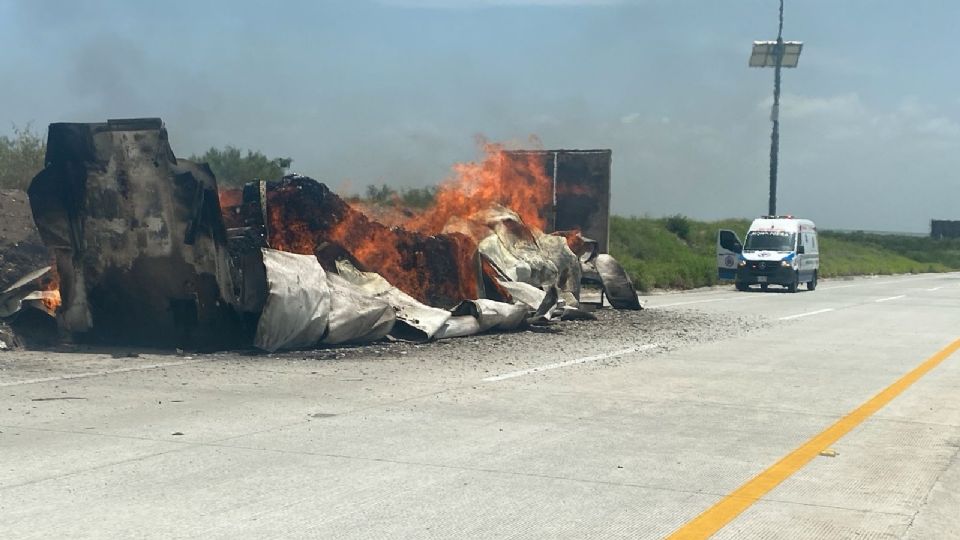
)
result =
(826, 414)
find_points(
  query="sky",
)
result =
(396, 91)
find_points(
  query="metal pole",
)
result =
(775, 118)
(553, 212)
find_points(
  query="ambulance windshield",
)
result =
(770, 241)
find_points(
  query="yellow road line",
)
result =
(722, 513)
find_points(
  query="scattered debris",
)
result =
(8, 340)
(37, 288)
(616, 283)
(148, 251)
(829, 452)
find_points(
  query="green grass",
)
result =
(680, 253)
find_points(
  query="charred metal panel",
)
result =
(138, 237)
(581, 191)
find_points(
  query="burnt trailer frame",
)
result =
(139, 242)
(580, 191)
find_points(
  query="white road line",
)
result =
(807, 314)
(934, 289)
(832, 287)
(98, 373)
(583, 360)
(890, 298)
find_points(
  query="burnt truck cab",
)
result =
(779, 250)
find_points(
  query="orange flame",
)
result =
(230, 197)
(50, 287)
(439, 270)
(51, 300)
(517, 181)
(415, 257)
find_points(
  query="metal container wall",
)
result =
(581, 191)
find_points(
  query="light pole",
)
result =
(776, 54)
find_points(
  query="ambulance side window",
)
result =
(729, 241)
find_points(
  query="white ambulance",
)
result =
(779, 250)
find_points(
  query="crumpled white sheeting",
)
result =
(297, 307)
(556, 250)
(26, 288)
(525, 255)
(415, 321)
(306, 306)
(475, 316)
(524, 292)
(513, 247)
(355, 316)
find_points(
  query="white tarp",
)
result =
(476, 316)
(459, 326)
(524, 292)
(556, 250)
(505, 240)
(298, 302)
(493, 315)
(415, 321)
(530, 262)
(25, 289)
(355, 316)
(512, 267)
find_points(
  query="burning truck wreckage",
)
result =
(148, 252)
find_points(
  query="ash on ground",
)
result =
(613, 330)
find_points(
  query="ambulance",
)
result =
(779, 250)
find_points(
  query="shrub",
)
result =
(679, 225)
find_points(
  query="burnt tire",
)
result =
(812, 284)
(742, 287)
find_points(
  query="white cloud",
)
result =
(846, 116)
(794, 106)
(939, 127)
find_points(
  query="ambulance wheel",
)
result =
(792, 287)
(812, 284)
